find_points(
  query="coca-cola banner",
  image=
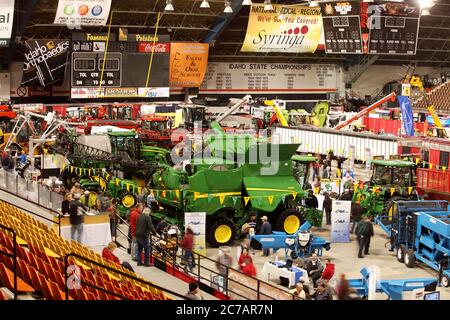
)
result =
(157, 47)
(45, 62)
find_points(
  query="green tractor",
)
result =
(229, 190)
(391, 181)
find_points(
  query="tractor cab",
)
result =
(194, 115)
(398, 173)
(155, 123)
(125, 142)
(301, 167)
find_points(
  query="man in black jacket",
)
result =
(76, 212)
(327, 207)
(364, 231)
(144, 226)
(357, 212)
(266, 228)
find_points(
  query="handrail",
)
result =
(174, 255)
(13, 256)
(75, 255)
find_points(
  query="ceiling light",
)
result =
(425, 12)
(169, 6)
(313, 3)
(268, 5)
(228, 8)
(204, 4)
(426, 4)
(247, 3)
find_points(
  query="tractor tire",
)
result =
(401, 253)
(445, 281)
(128, 200)
(410, 258)
(289, 221)
(222, 232)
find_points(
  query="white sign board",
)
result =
(247, 78)
(340, 221)
(77, 13)
(6, 21)
(5, 86)
(197, 222)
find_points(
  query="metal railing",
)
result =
(13, 256)
(103, 266)
(235, 284)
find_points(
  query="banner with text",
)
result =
(285, 29)
(188, 63)
(6, 22)
(77, 13)
(45, 62)
(270, 78)
(340, 221)
(197, 222)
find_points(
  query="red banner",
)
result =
(159, 47)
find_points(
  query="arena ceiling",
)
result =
(225, 32)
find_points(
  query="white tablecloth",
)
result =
(273, 273)
(93, 234)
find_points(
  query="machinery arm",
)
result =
(233, 108)
(360, 114)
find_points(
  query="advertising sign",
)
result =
(148, 47)
(45, 62)
(82, 12)
(5, 86)
(6, 22)
(285, 29)
(188, 64)
(270, 78)
(340, 221)
(407, 115)
(197, 222)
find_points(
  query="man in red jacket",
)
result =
(188, 246)
(134, 214)
(328, 272)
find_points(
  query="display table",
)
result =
(274, 270)
(96, 230)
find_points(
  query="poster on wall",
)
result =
(342, 27)
(6, 22)
(197, 222)
(340, 221)
(285, 29)
(77, 13)
(188, 63)
(223, 77)
(45, 62)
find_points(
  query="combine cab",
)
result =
(156, 130)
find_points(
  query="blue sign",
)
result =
(407, 115)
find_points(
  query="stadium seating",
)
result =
(40, 265)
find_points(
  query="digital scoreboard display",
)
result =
(87, 69)
(342, 27)
(122, 72)
(393, 28)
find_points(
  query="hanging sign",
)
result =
(285, 29)
(76, 13)
(188, 63)
(6, 22)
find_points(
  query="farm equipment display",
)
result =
(156, 130)
(301, 244)
(301, 165)
(420, 231)
(394, 289)
(229, 190)
(391, 180)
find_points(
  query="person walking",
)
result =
(327, 207)
(343, 290)
(188, 247)
(314, 268)
(364, 230)
(113, 214)
(357, 211)
(223, 262)
(65, 204)
(144, 226)
(266, 228)
(76, 213)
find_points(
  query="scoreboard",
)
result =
(122, 71)
(87, 69)
(342, 28)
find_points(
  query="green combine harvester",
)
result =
(234, 182)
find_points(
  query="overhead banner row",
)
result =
(349, 27)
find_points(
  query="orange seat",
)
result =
(7, 279)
